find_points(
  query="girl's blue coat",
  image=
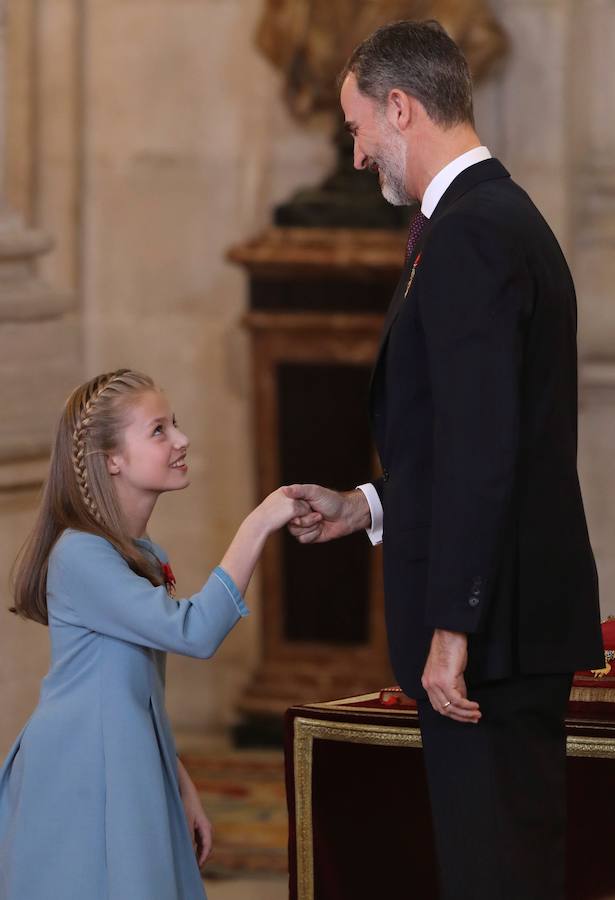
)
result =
(89, 798)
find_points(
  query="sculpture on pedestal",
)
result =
(310, 40)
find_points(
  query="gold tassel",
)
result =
(600, 673)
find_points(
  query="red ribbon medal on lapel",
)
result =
(412, 273)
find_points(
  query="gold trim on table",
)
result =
(305, 732)
(600, 747)
(592, 694)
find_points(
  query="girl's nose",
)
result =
(182, 440)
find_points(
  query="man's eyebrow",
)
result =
(350, 126)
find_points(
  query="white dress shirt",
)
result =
(434, 192)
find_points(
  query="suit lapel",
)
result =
(395, 306)
(400, 291)
(487, 170)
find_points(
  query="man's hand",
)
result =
(334, 513)
(443, 677)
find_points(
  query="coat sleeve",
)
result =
(475, 297)
(378, 486)
(91, 585)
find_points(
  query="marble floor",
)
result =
(247, 889)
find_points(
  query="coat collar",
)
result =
(486, 170)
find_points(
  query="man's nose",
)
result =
(359, 158)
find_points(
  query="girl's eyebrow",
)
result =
(160, 419)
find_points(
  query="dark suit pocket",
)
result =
(412, 543)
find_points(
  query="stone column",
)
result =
(549, 117)
(592, 142)
(39, 363)
(38, 338)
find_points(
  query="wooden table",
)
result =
(360, 825)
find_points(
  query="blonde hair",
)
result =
(79, 491)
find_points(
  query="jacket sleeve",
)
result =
(91, 585)
(378, 485)
(475, 297)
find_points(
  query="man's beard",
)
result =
(392, 171)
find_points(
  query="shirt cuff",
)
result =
(233, 590)
(374, 532)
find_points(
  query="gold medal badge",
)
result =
(412, 274)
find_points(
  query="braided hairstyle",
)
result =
(79, 492)
(88, 401)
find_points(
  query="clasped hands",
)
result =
(334, 514)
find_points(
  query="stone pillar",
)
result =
(37, 337)
(592, 149)
(549, 117)
(39, 363)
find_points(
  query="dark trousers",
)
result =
(498, 791)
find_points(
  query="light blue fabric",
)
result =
(231, 587)
(89, 799)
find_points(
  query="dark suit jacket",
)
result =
(474, 413)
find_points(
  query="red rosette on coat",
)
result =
(169, 578)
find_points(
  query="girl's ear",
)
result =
(113, 466)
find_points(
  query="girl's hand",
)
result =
(275, 511)
(199, 825)
(278, 509)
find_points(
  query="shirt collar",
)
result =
(438, 185)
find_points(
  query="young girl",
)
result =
(91, 792)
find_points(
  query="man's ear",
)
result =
(113, 464)
(399, 109)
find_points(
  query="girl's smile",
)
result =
(180, 463)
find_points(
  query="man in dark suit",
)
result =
(490, 581)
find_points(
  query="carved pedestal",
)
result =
(317, 298)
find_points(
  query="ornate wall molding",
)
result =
(595, 202)
(43, 160)
(595, 376)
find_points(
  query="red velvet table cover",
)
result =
(360, 826)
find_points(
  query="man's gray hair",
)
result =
(420, 59)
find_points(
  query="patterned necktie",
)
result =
(416, 229)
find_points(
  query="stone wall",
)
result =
(149, 135)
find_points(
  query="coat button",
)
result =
(385, 474)
(473, 601)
